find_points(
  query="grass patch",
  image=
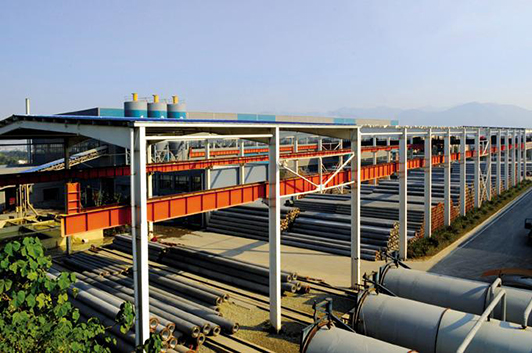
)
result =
(442, 238)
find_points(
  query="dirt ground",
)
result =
(254, 322)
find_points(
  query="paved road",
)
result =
(504, 243)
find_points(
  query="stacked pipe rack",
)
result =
(235, 272)
(182, 311)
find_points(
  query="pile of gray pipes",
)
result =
(235, 272)
(182, 311)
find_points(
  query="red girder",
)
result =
(290, 149)
(174, 206)
(117, 171)
(65, 174)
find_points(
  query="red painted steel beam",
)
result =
(175, 206)
(65, 174)
(117, 171)
(290, 149)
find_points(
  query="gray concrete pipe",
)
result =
(185, 322)
(157, 293)
(85, 259)
(190, 283)
(104, 320)
(219, 260)
(111, 266)
(175, 261)
(336, 340)
(187, 290)
(208, 315)
(429, 328)
(124, 342)
(456, 293)
(236, 264)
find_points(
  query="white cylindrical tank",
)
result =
(456, 293)
(177, 109)
(136, 108)
(157, 109)
(335, 340)
(430, 328)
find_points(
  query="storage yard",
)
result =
(247, 233)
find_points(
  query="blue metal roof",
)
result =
(113, 119)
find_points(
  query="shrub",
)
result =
(35, 314)
(444, 237)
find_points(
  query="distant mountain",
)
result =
(481, 114)
(370, 113)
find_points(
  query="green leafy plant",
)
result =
(35, 314)
(126, 318)
(442, 238)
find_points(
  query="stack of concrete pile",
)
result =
(239, 273)
(183, 311)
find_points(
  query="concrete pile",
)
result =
(184, 312)
(238, 273)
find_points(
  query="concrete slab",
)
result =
(333, 269)
(500, 242)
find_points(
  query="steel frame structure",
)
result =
(134, 135)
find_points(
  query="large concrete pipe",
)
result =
(456, 293)
(327, 339)
(429, 328)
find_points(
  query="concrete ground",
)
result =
(500, 242)
(330, 268)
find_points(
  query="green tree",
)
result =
(35, 314)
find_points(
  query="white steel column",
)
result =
(320, 160)
(150, 187)
(66, 156)
(340, 147)
(139, 229)
(356, 141)
(519, 149)
(428, 184)
(403, 194)
(296, 161)
(524, 155)
(375, 157)
(388, 154)
(207, 176)
(489, 182)
(242, 169)
(320, 172)
(447, 201)
(274, 206)
(208, 170)
(498, 176)
(476, 181)
(512, 156)
(507, 161)
(463, 173)
(341, 159)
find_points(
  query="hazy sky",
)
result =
(253, 56)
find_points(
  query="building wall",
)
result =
(117, 112)
(228, 176)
